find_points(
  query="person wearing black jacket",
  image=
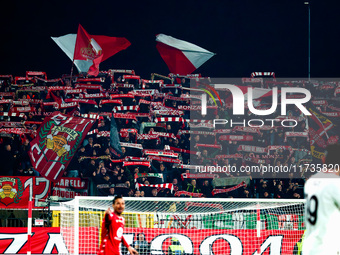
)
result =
(7, 161)
(206, 189)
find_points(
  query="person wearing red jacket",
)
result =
(112, 230)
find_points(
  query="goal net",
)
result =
(189, 225)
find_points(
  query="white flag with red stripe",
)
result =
(258, 94)
(180, 56)
(98, 47)
(67, 43)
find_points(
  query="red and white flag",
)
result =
(180, 56)
(87, 48)
(109, 47)
(257, 93)
(59, 137)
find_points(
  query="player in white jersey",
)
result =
(322, 210)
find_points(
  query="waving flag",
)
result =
(67, 43)
(323, 130)
(180, 56)
(87, 48)
(93, 45)
(259, 95)
(56, 143)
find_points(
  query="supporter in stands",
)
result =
(20, 171)
(191, 187)
(89, 146)
(176, 185)
(8, 160)
(90, 169)
(154, 192)
(142, 194)
(292, 142)
(30, 95)
(261, 140)
(279, 191)
(114, 175)
(141, 245)
(265, 195)
(162, 170)
(15, 150)
(101, 176)
(131, 193)
(111, 191)
(1, 110)
(279, 138)
(23, 157)
(206, 188)
(263, 189)
(102, 126)
(121, 179)
(245, 193)
(126, 173)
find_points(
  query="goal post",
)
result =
(162, 226)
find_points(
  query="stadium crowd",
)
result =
(166, 143)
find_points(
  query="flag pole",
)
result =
(71, 72)
(75, 46)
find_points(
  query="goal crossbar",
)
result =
(164, 217)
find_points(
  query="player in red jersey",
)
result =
(112, 230)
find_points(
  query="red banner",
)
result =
(216, 146)
(58, 139)
(124, 116)
(332, 114)
(237, 155)
(15, 191)
(89, 86)
(22, 109)
(47, 241)
(69, 187)
(164, 134)
(109, 101)
(158, 186)
(193, 241)
(81, 101)
(218, 242)
(218, 191)
(96, 95)
(246, 129)
(137, 163)
(186, 193)
(165, 159)
(160, 153)
(147, 136)
(296, 134)
(114, 96)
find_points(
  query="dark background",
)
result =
(247, 35)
